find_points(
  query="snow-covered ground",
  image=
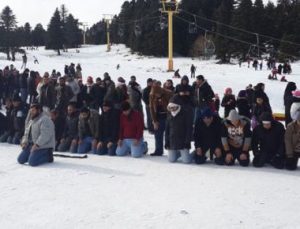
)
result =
(111, 192)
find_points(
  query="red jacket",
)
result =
(132, 126)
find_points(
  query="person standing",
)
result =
(193, 71)
(159, 100)
(290, 96)
(38, 141)
(228, 101)
(146, 99)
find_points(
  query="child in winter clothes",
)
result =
(228, 101)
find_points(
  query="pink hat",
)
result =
(296, 93)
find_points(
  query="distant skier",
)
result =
(35, 60)
(24, 59)
(176, 74)
(118, 66)
(193, 71)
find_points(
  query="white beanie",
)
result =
(295, 111)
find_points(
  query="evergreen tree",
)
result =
(242, 19)
(27, 41)
(73, 35)
(39, 35)
(8, 23)
(224, 45)
(55, 33)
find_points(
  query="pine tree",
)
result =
(72, 33)
(223, 45)
(38, 35)
(27, 41)
(55, 33)
(9, 23)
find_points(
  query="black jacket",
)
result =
(97, 94)
(203, 95)
(47, 96)
(59, 125)
(146, 94)
(269, 141)
(71, 126)
(179, 130)
(208, 137)
(109, 126)
(243, 107)
(228, 107)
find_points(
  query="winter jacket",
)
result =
(59, 126)
(203, 95)
(23, 80)
(146, 95)
(159, 99)
(131, 126)
(179, 130)
(207, 137)
(259, 109)
(89, 127)
(243, 107)
(71, 126)
(63, 96)
(110, 91)
(41, 132)
(97, 95)
(31, 86)
(19, 115)
(185, 88)
(75, 89)
(135, 98)
(269, 141)
(236, 137)
(109, 126)
(229, 103)
(47, 97)
(87, 96)
(292, 139)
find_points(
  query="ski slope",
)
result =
(112, 192)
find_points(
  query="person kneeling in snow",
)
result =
(236, 139)
(207, 136)
(268, 142)
(179, 129)
(292, 139)
(38, 141)
(131, 133)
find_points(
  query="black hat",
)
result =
(200, 77)
(107, 103)
(36, 105)
(16, 98)
(84, 110)
(126, 106)
(266, 117)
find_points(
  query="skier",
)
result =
(193, 71)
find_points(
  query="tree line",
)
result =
(202, 28)
(63, 32)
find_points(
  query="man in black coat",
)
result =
(179, 129)
(109, 123)
(97, 93)
(23, 80)
(146, 99)
(185, 91)
(47, 97)
(64, 94)
(59, 125)
(203, 95)
(69, 139)
(268, 142)
(207, 136)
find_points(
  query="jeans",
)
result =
(107, 151)
(67, 146)
(128, 147)
(35, 158)
(86, 146)
(15, 139)
(159, 137)
(185, 155)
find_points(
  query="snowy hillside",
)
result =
(110, 192)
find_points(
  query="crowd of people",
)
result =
(62, 113)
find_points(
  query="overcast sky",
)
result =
(40, 11)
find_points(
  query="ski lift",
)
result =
(137, 30)
(162, 24)
(193, 26)
(209, 46)
(252, 52)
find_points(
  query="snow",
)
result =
(112, 192)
